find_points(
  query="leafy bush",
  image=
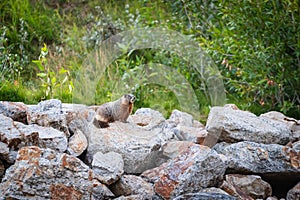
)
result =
(256, 45)
(52, 80)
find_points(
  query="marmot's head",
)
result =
(128, 99)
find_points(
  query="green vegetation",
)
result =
(255, 44)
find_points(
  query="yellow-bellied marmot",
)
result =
(118, 110)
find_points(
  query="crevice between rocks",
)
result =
(281, 184)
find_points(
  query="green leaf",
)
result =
(39, 64)
(42, 75)
(63, 71)
(261, 81)
(53, 80)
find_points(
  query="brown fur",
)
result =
(118, 110)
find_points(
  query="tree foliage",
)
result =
(256, 45)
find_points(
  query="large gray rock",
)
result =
(233, 125)
(48, 113)
(254, 158)
(16, 135)
(46, 174)
(194, 169)
(140, 141)
(147, 118)
(16, 111)
(294, 193)
(45, 137)
(246, 186)
(108, 168)
(140, 145)
(204, 196)
(133, 185)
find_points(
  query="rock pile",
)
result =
(56, 151)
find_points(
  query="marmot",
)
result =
(118, 110)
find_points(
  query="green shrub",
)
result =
(256, 45)
(53, 81)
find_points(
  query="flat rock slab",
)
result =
(46, 174)
(49, 113)
(292, 123)
(231, 125)
(255, 158)
(147, 118)
(108, 168)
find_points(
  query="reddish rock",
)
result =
(60, 191)
(194, 169)
(46, 174)
(133, 185)
(246, 187)
(152, 175)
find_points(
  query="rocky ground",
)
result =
(57, 151)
